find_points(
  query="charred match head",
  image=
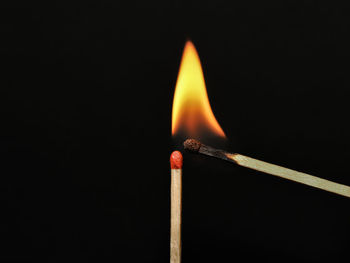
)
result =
(198, 147)
(192, 145)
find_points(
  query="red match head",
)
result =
(176, 160)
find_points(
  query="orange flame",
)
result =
(192, 113)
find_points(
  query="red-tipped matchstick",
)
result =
(176, 204)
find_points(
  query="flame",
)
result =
(192, 113)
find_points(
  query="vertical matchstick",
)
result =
(176, 206)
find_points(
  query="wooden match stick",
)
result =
(176, 206)
(340, 189)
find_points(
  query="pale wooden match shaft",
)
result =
(176, 205)
(289, 174)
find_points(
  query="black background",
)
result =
(85, 104)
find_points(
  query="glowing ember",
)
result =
(192, 114)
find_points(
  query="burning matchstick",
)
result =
(340, 189)
(176, 206)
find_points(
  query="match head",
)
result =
(192, 145)
(176, 160)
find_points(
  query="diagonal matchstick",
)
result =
(340, 189)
